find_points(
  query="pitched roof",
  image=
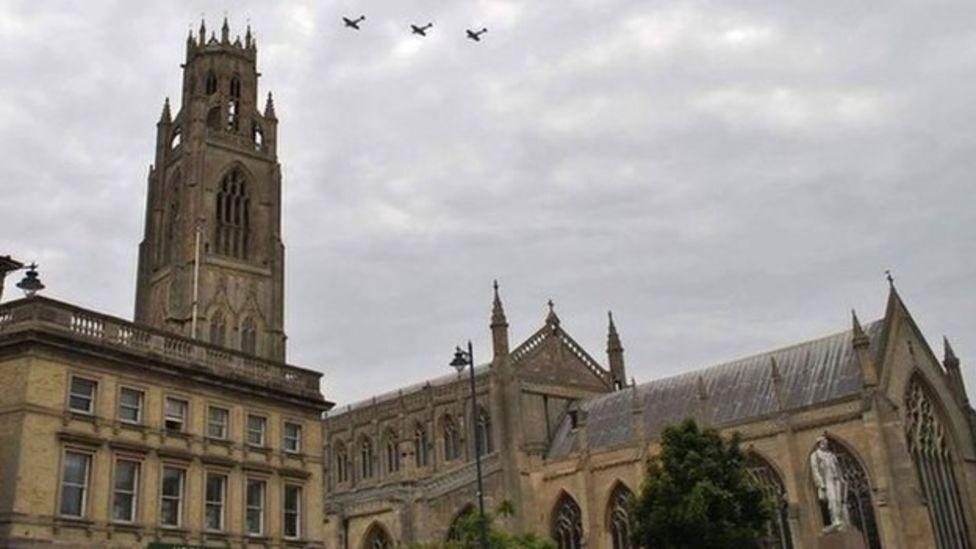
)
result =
(813, 372)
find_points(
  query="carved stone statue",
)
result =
(830, 483)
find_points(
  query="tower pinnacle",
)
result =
(499, 325)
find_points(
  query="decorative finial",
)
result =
(950, 355)
(551, 318)
(165, 117)
(891, 279)
(613, 338)
(497, 309)
(269, 110)
(203, 29)
(225, 31)
(247, 34)
(859, 337)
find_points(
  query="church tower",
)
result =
(211, 263)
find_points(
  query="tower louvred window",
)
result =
(211, 84)
(233, 217)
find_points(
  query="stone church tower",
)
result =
(212, 246)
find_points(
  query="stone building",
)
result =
(186, 427)
(566, 440)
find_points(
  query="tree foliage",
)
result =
(698, 494)
(467, 532)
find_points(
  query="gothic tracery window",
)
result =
(218, 329)
(233, 216)
(377, 538)
(421, 446)
(618, 516)
(859, 506)
(777, 534)
(567, 523)
(341, 462)
(452, 439)
(365, 458)
(483, 440)
(930, 448)
(392, 452)
(249, 336)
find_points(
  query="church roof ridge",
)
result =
(413, 388)
(812, 371)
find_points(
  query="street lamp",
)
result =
(461, 360)
(31, 283)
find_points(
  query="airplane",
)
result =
(422, 31)
(476, 35)
(354, 23)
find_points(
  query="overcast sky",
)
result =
(727, 176)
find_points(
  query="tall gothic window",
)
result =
(172, 219)
(777, 534)
(567, 523)
(392, 452)
(859, 505)
(421, 446)
(233, 216)
(249, 336)
(341, 462)
(452, 439)
(618, 516)
(365, 458)
(930, 448)
(377, 538)
(483, 439)
(218, 329)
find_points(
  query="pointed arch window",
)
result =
(341, 462)
(454, 532)
(172, 220)
(421, 446)
(452, 439)
(392, 452)
(618, 516)
(483, 440)
(777, 534)
(377, 538)
(218, 329)
(365, 458)
(859, 506)
(567, 523)
(249, 336)
(233, 216)
(931, 451)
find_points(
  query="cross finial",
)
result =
(891, 279)
(551, 306)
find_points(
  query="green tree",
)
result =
(698, 494)
(467, 532)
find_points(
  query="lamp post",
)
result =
(461, 360)
(31, 283)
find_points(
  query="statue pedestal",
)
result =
(841, 539)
